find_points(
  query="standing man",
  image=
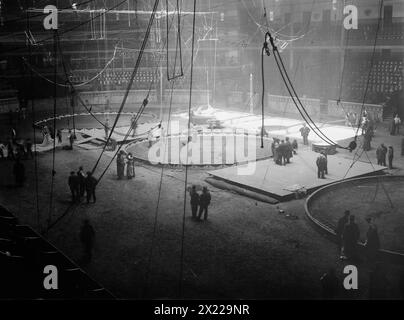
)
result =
(340, 230)
(120, 163)
(321, 166)
(367, 139)
(372, 243)
(350, 238)
(282, 153)
(304, 132)
(90, 183)
(381, 153)
(288, 149)
(28, 146)
(59, 135)
(204, 202)
(130, 166)
(87, 235)
(73, 183)
(82, 182)
(390, 156)
(71, 139)
(397, 122)
(194, 201)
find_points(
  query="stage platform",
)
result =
(281, 182)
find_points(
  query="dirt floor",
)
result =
(246, 249)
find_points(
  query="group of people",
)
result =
(382, 152)
(348, 235)
(283, 150)
(127, 159)
(80, 183)
(199, 200)
(17, 149)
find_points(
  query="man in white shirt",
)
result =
(397, 122)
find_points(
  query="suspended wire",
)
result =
(178, 44)
(125, 139)
(80, 84)
(186, 166)
(130, 81)
(72, 28)
(54, 126)
(328, 140)
(148, 269)
(34, 130)
(371, 62)
(293, 94)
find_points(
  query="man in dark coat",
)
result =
(204, 202)
(282, 153)
(28, 146)
(304, 132)
(87, 235)
(274, 146)
(19, 173)
(321, 166)
(390, 156)
(372, 244)
(194, 201)
(350, 238)
(367, 139)
(340, 229)
(74, 183)
(288, 149)
(120, 164)
(381, 153)
(71, 139)
(81, 178)
(90, 183)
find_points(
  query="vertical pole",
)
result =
(207, 85)
(251, 94)
(161, 62)
(214, 69)
(161, 89)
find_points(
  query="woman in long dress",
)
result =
(130, 166)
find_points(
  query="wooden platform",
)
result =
(280, 182)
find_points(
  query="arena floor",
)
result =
(381, 199)
(275, 180)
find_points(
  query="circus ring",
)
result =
(85, 120)
(364, 197)
(205, 150)
(89, 128)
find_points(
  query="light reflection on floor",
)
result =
(277, 126)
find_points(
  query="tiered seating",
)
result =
(386, 77)
(117, 79)
(23, 256)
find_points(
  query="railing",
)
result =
(9, 104)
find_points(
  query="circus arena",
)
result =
(213, 149)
